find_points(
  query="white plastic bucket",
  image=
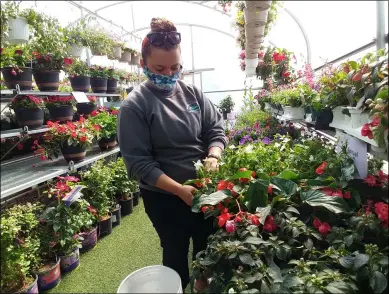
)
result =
(252, 62)
(117, 51)
(152, 279)
(76, 50)
(19, 31)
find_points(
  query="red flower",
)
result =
(316, 223)
(223, 219)
(114, 111)
(71, 179)
(255, 220)
(83, 139)
(376, 121)
(92, 210)
(198, 184)
(269, 225)
(230, 187)
(97, 127)
(204, 209)
(366, 132)
(43, 157)
(324, 228)
(13, 72)
(230, 226)
(18, 52)
(285, 74)
(327, 190)
(321, 168)
(347, 195)
(82, 119)
(238, 219)
(381, 209)
(20, 146)
(270, 189)
(382, 176)
(68, 61)
(224, 211)
(261, 54)
(338, 193)
(222, 185)
(370, 180)
(93, 113)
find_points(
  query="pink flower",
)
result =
(366, 131)
(230, 226)
(321, 168)
(338, 193)
(370, 180)
(324, 228)
(347, 195)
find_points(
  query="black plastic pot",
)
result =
(47, 80)
(107, 143)
(127, 206)
(80, 84)
(62, 113)
(116, 216)
(98, 85)
(225, 115)
(112, 85)
(30, 117)
(23, 78)
(323, 119)
(75, 153)
(85, 108)
(105, 227)
(135, 195)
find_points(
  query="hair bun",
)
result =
(159, 24)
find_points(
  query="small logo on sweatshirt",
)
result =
(193, 107)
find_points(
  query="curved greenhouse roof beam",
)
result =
(307, 43)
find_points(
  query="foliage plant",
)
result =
(99, 41)
(114, 74)
(15, 57)
(226, 105)
(99, 72)
(104, 122)
(250, 116)
(77, 34)
(124, 186)
(77, 68)
(287, 97)
(26, 101)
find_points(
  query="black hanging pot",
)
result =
(98, 85)
(62, 113)
(127, 206)
(107, 143)
(116, 215)
(23, 78)
(105, 226)
(75, 153)
(135, 195)
(80, 83)
(85, 108)
(112, 85)
(324, 119)
(30, 117)
(47, 80)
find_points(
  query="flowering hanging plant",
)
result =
(226, 4)
(26, 101)
(15, 57)
(58, 101)
(79, 133)
(92, 99)
(77, 68)
(99, 72)
(49, 62)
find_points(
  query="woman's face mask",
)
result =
(164, 82)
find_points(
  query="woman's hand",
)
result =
(186, 194)
(211, 164)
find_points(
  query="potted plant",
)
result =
(19, 248)
(97, 181)
(87, 108)
(28, 110)
(226, 106)
(77, 37)
(71, 139)
(290, 100)
(60, 107)
(79, 75)
(105, 124)
(88, 222)
(112, 82)
(14, 63)
(100, 43)
(14, 24)
(99, 77)
(126, 55)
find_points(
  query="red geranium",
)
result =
(323, 227)
(321, 168)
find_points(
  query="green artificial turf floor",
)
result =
(132, 245)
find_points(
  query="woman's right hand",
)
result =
(186, 194)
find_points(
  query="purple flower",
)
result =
(266, 141)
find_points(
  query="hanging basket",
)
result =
(19, 31)
(126, 56)
(255, 33)
(76, 50)
(255, 18)
(135, 59)
(117, 51)
(258, 5)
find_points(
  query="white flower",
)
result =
(231, 291)
(232, 147)
(311, 158)
(248, 148)
(198, 165)
(277, 145)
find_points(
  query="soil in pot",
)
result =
(49, 275)
(90, 240)
(135, 195)
(105, 226)
(98, 85)
(30, 117)
(85, 108)
(116, 215)
(31, 286)
(61, 114)
(80, 84)
(70, 261)
(127, 204)
(47, 80)
(23, 78)
(75, 153)
(112, 85)
(107, 143)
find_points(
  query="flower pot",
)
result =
(358, 118)
(23, 79)
(127, 206)
(47, 80)
(322, 119)
(250, 71)
(293, 112)
(112, 85)
(19, 31)
(80, 84)
(254, 33)
(252, 62)
(32, 288)
(30, 117)
(225, 113)
(126, 56)
(76, 50)
(85, 108)
(135, 59)
(135, 196)
(117, 51)
(90, 240)
(107, 143)
(62, 113)
(70, 261)
(255, 18)
(105, 226)
(98, 85)
(116, 216)
(338, 116)
(49, 275)
(75, 153)
(258, 5)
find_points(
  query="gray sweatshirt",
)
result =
(165, 133)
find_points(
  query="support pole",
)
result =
(191, 46)
(380, 29)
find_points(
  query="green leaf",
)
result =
(318, 198)
(274, 271)
(207, 261)
(360, 260)
(338, 287)
(254, 240)
(287, 187)
(291, 281)
(250, 290)
(349, 240)
(384, 260)
(263, 176)
(247, 259)
(308, 243)
(319, 182)
(56, 227)
(256, 195)
(243, 174)
(347, 261)
(211, 199)
(378, 282)
(264, 212)
(233, 255)
(348, 172)
(288, 175)
(292, 209)
(264, 287)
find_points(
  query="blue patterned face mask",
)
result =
(161, 81)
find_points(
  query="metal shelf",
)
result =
(17, 132)
(39, 93)
(32, 171)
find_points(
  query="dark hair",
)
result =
(158, 25)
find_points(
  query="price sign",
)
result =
(73, 195)
(80, 97)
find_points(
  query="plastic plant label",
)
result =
(73, 195)
(114, 218)
(231, 116)
(80, 97)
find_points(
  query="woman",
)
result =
(164, 127)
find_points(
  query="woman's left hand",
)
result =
(211, 164)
